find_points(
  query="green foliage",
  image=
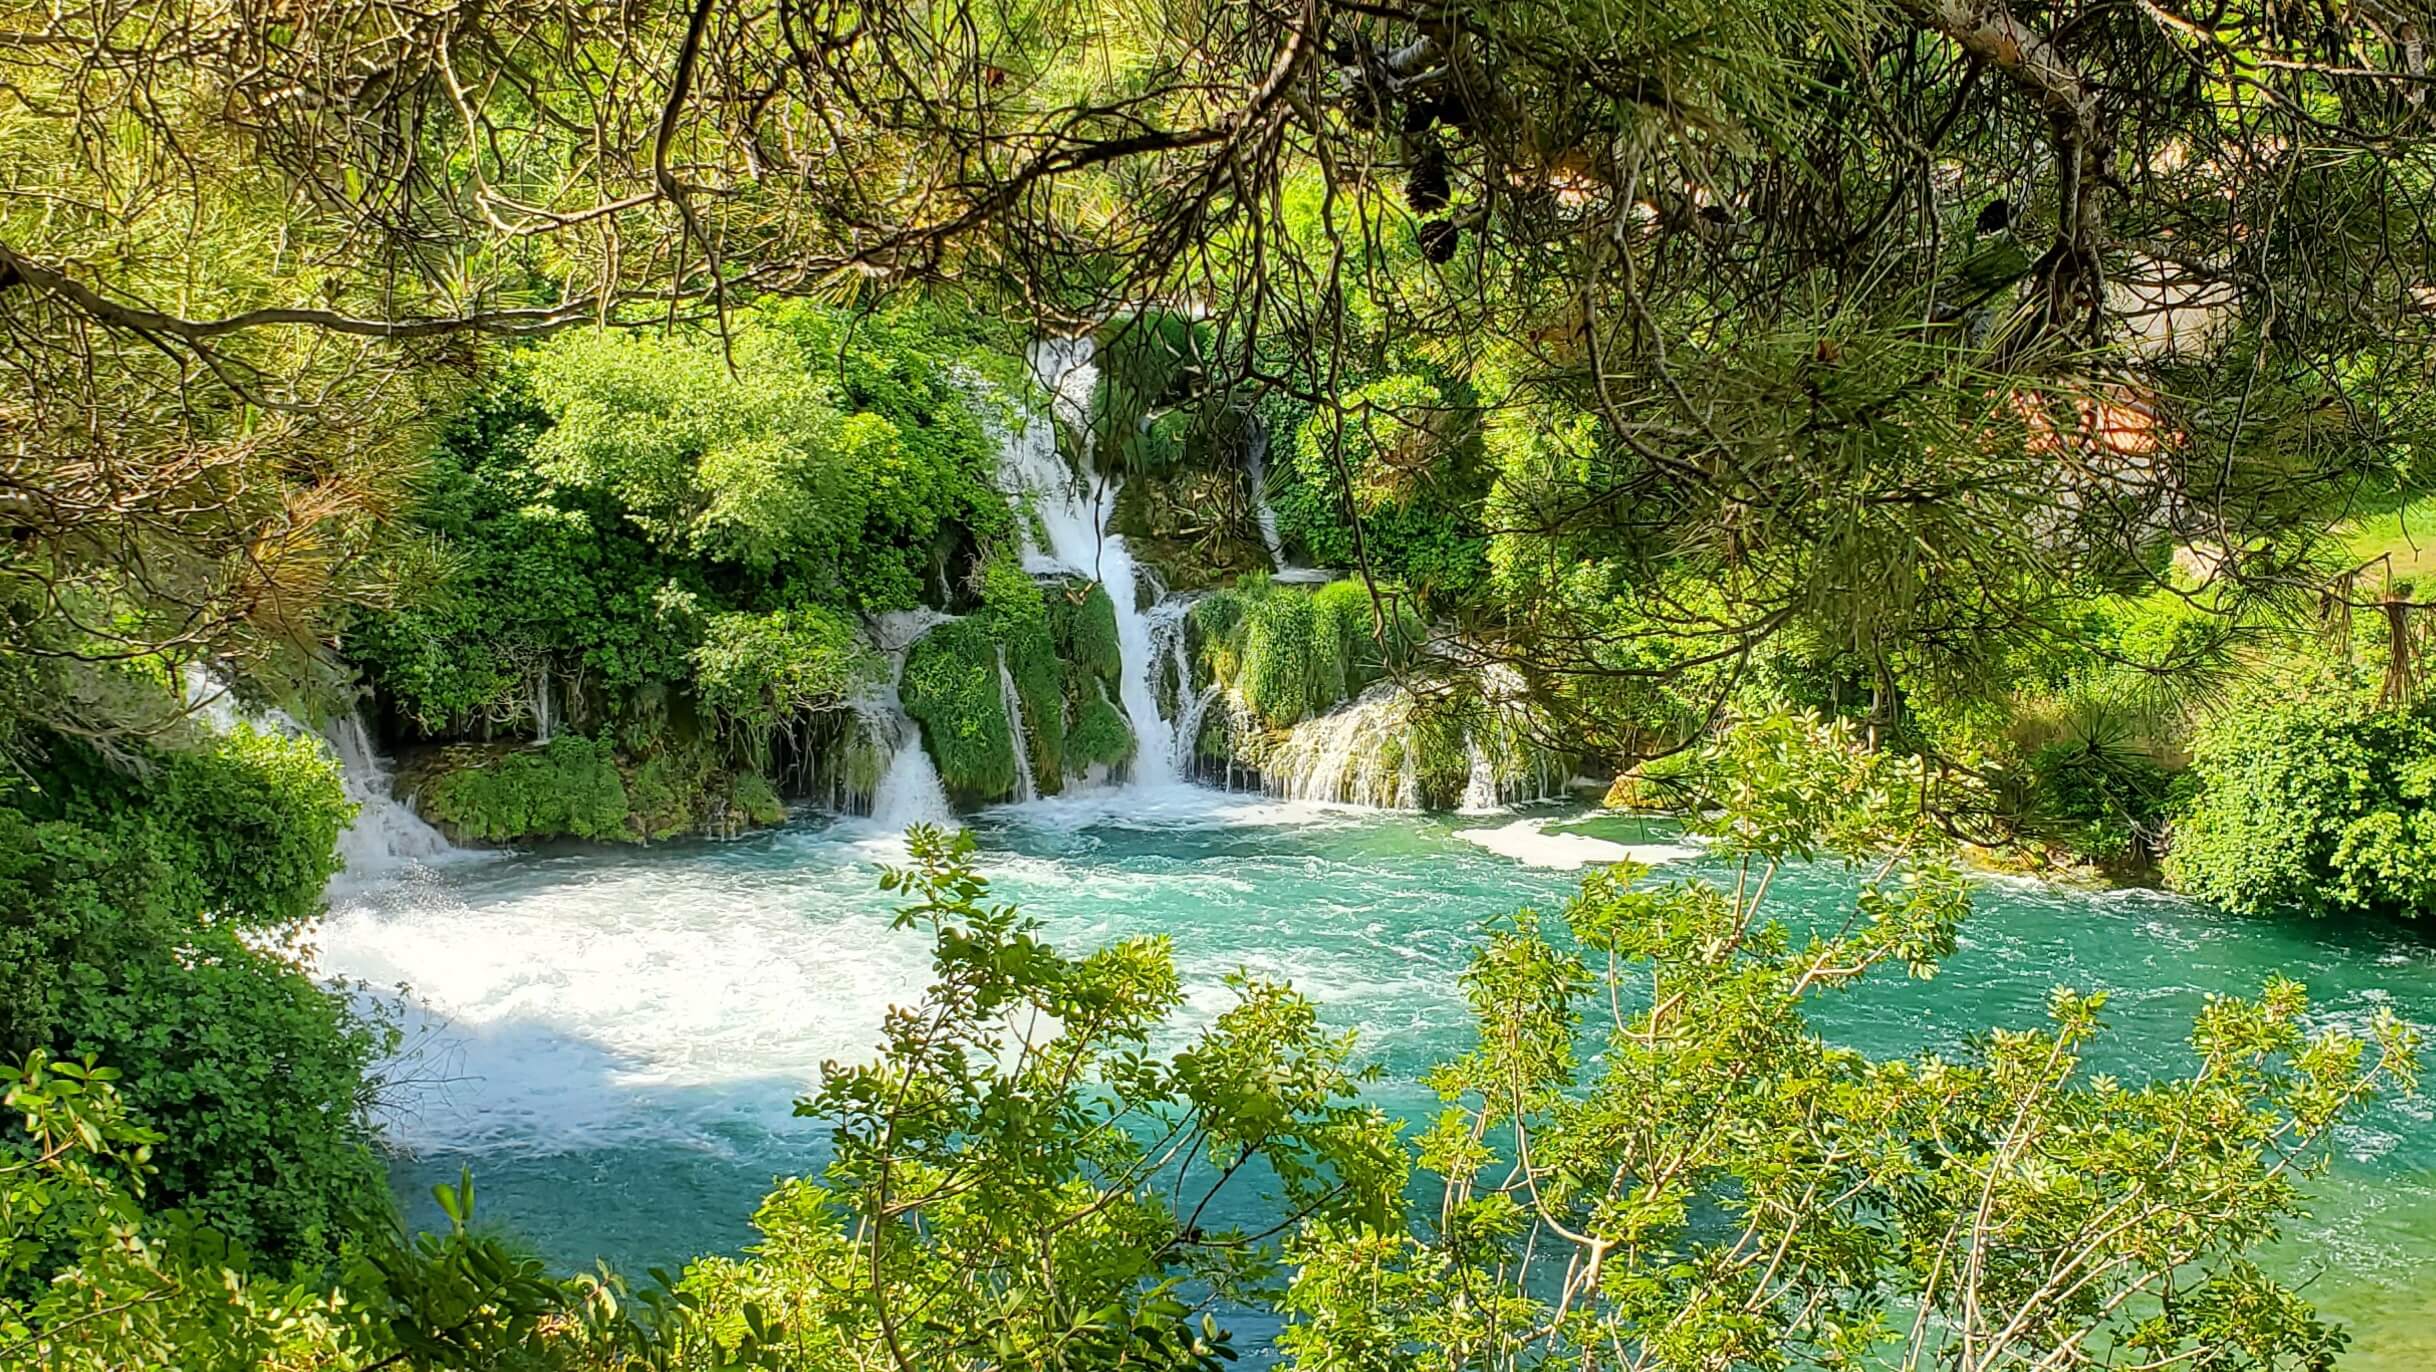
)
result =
(1000, 1196)
(2096, 797)
(1651, 1149)
(1086, 632)
(1147, 360)
(2311, 799)
(146, 1287)
(1100, 736)
(1293, 653)
(149, 917)
(570, 788)
(752, 796)
(257, 1079)
(801, 444)
(951, 687)
(1020, 614)
(673, 515)
(1402, 457)
(760, 670)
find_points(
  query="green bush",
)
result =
(759, 670)
(569, 789)
(2311, 799)
(2099, 800)
(951, 687)
(146, 915)
(257, 1079)
(1284, 660)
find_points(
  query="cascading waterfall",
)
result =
(1072, 516)
(1026, 789)
(541, 706)
(1256, 475)
(386, 834)
(1361, 754)
(1480, 787)
(909, 790)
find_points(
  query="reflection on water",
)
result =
(613, 1041)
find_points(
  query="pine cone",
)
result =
(1438, 239)
(1426, 188)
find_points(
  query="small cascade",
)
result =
(1188, 725)
(1480, 787)
(386, 834)
(1256, 475)
(541, 705)
(1072, 516)
(1026, 788)
(908, 790)
(1360, 754)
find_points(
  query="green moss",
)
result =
(951, 687)
(569, 789)
(1084, 619)
(1100, 735)
(750, 794)
(1021, 615)
(1279, 676)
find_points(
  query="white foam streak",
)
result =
(1528, 842)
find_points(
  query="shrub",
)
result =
(761, 670)
(1283, 660)
(145, 916)
(2312, 800)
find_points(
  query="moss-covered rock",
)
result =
(950, 687)
(1100, 736)
(578, 787)
(1022, 613)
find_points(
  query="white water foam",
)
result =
(1528, 842)
(625, 998)
(1012, 701)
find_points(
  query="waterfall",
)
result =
(1360, 754)
(1256, 475)
(1072, 516)
(1026, 789)
(1480, 788)
(909, 791)
(386, 834)
(541, 705)
(1188, 726)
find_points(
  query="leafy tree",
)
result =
(1019, 1181)
(2311, 799)
(1703, 1180)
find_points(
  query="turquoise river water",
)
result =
(613, 1041)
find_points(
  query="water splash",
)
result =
(1026, 789)
(1359, 754)
(909, 790)
(387, 836)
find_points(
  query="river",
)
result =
(612, 1040)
